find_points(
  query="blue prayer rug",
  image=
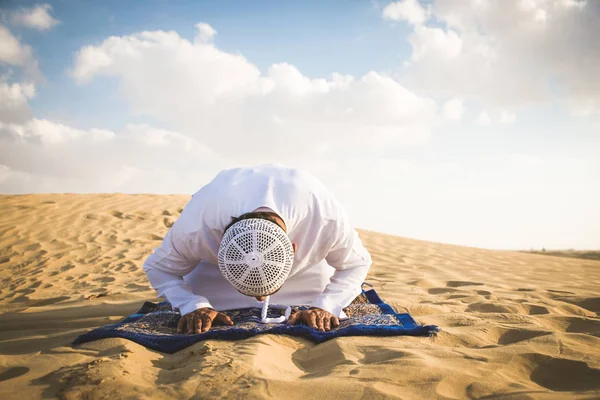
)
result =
(155, 325)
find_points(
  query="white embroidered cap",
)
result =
(256, 256)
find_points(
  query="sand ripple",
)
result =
(513, 324)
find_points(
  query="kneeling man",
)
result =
(255, 232)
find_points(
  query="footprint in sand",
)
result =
(168, 222)
(561, 374)
(137, 287)
(13, 372)
(66, 267)
(442, 290)
(375, 355)
(117, 214)
(33, 247)
(580, 325)
(154, 237)
(559, 291)
(106, 279)
(93, 296)
(589, 303)
(462, 283)
(489, 308)
(48, 302)
(574, 325)
(509, 336)
(533, 309)
(34, 285)
(422, 283)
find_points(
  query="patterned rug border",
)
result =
(173, 343)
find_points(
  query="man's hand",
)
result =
(315, 318)
(201, 320)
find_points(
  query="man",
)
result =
(211, 259)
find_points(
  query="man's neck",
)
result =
(280, 221)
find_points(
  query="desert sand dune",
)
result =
(513, 325)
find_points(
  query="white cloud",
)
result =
(584, 106)
(13, 52)
(211, 98)
(453, 109)
(509, 54)
(580, 4)
(13, 101)
(223, 100)
(521, 160)
(435, 43)
(483, 118)
(45, 132)
(47, 156)
(444, 201)
(206, 33)
(90, 60)
(5, 173)
(508, 117)
(36, 17)
(406, 10)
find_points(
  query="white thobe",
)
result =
(329, 266)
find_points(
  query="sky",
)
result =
(470, 122)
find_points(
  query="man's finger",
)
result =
(292, 319)
(206, 322)
(327, 323)
(198, 325)
(313, 320)
(190, 322)
(320, 322)
(335, 321)
(224, 319)
(181, 324)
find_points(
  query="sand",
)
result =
(513, 324)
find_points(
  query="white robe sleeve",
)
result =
(165, 269)
(352, 262)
